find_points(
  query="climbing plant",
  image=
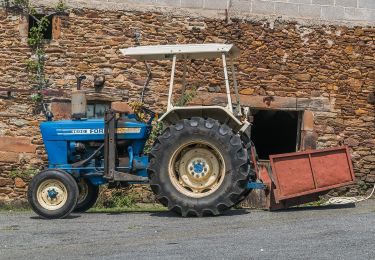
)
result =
(36, 63)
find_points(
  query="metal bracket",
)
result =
(256, 185)
(109, 144)
(123, 176)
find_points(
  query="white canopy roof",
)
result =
(188, 51)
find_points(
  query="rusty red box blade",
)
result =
(302, 173)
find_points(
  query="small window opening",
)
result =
(33, 23)
(96, 110)
(275, 132)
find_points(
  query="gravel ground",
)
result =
(303, 233)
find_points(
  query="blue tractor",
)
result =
(199, 165)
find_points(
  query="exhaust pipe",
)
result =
(79, 102)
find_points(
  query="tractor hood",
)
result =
(90, 129)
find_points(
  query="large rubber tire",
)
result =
(88, 194)
(57, 181)
(247, 192)
(217, 135)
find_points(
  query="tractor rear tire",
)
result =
(198, 167)
(253, 174)
(88, 194)
(53, 194)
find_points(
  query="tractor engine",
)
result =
(78, 145)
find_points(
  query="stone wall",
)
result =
(326, 69)
(352, 12)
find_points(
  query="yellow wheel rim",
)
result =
(52, 194)
(196, 169)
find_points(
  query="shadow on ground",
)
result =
(171, 214)
(320, 207)
(68, 217)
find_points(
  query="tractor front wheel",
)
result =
(198, 167)
(53, 194)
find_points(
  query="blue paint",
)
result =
(52, 193)
(256, 185)
(61, 137)
(198, 168)
(131, 156)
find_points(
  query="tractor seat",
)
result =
(121, 107)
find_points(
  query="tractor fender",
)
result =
(222, 114)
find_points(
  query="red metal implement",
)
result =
(308, 172)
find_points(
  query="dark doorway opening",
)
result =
(275, 132)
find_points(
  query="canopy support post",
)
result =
(229, 106)
(170, 106)
(184, 77)
(238, 108)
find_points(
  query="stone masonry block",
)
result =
(299, 1)
(8, 157)
(240, 5)
(308, 121)
(346, 3)
(5, 181)
(215, 4)
(310, 10)
(333, 13)
(56, 27)
(133, 1)
(61, 110)
(192, 3)
(263, 7)
(23, 26)
(323, 2)
(170, 3)
(366, 4)
(16, 144)
(358, 14)
(287, 9)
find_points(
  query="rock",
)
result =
(257, 43)
(18, 108)
(214, 89)
(107, 71)
(247, 91)
(5, 190)
(360, 111)
(19, 183)
(356, 84)
(351, 142)
(359, 32)
(120, 78)
(371, 98)
(302, 77)
(3, 128)
(370, 178)
(280, 52)
(370, 158)
(315, 93)
(349, 50)
(18, 122)
(8, 157)
(354, 73)
(5, 181)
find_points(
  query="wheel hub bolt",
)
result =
(52, 193)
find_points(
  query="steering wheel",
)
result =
(147, 111)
